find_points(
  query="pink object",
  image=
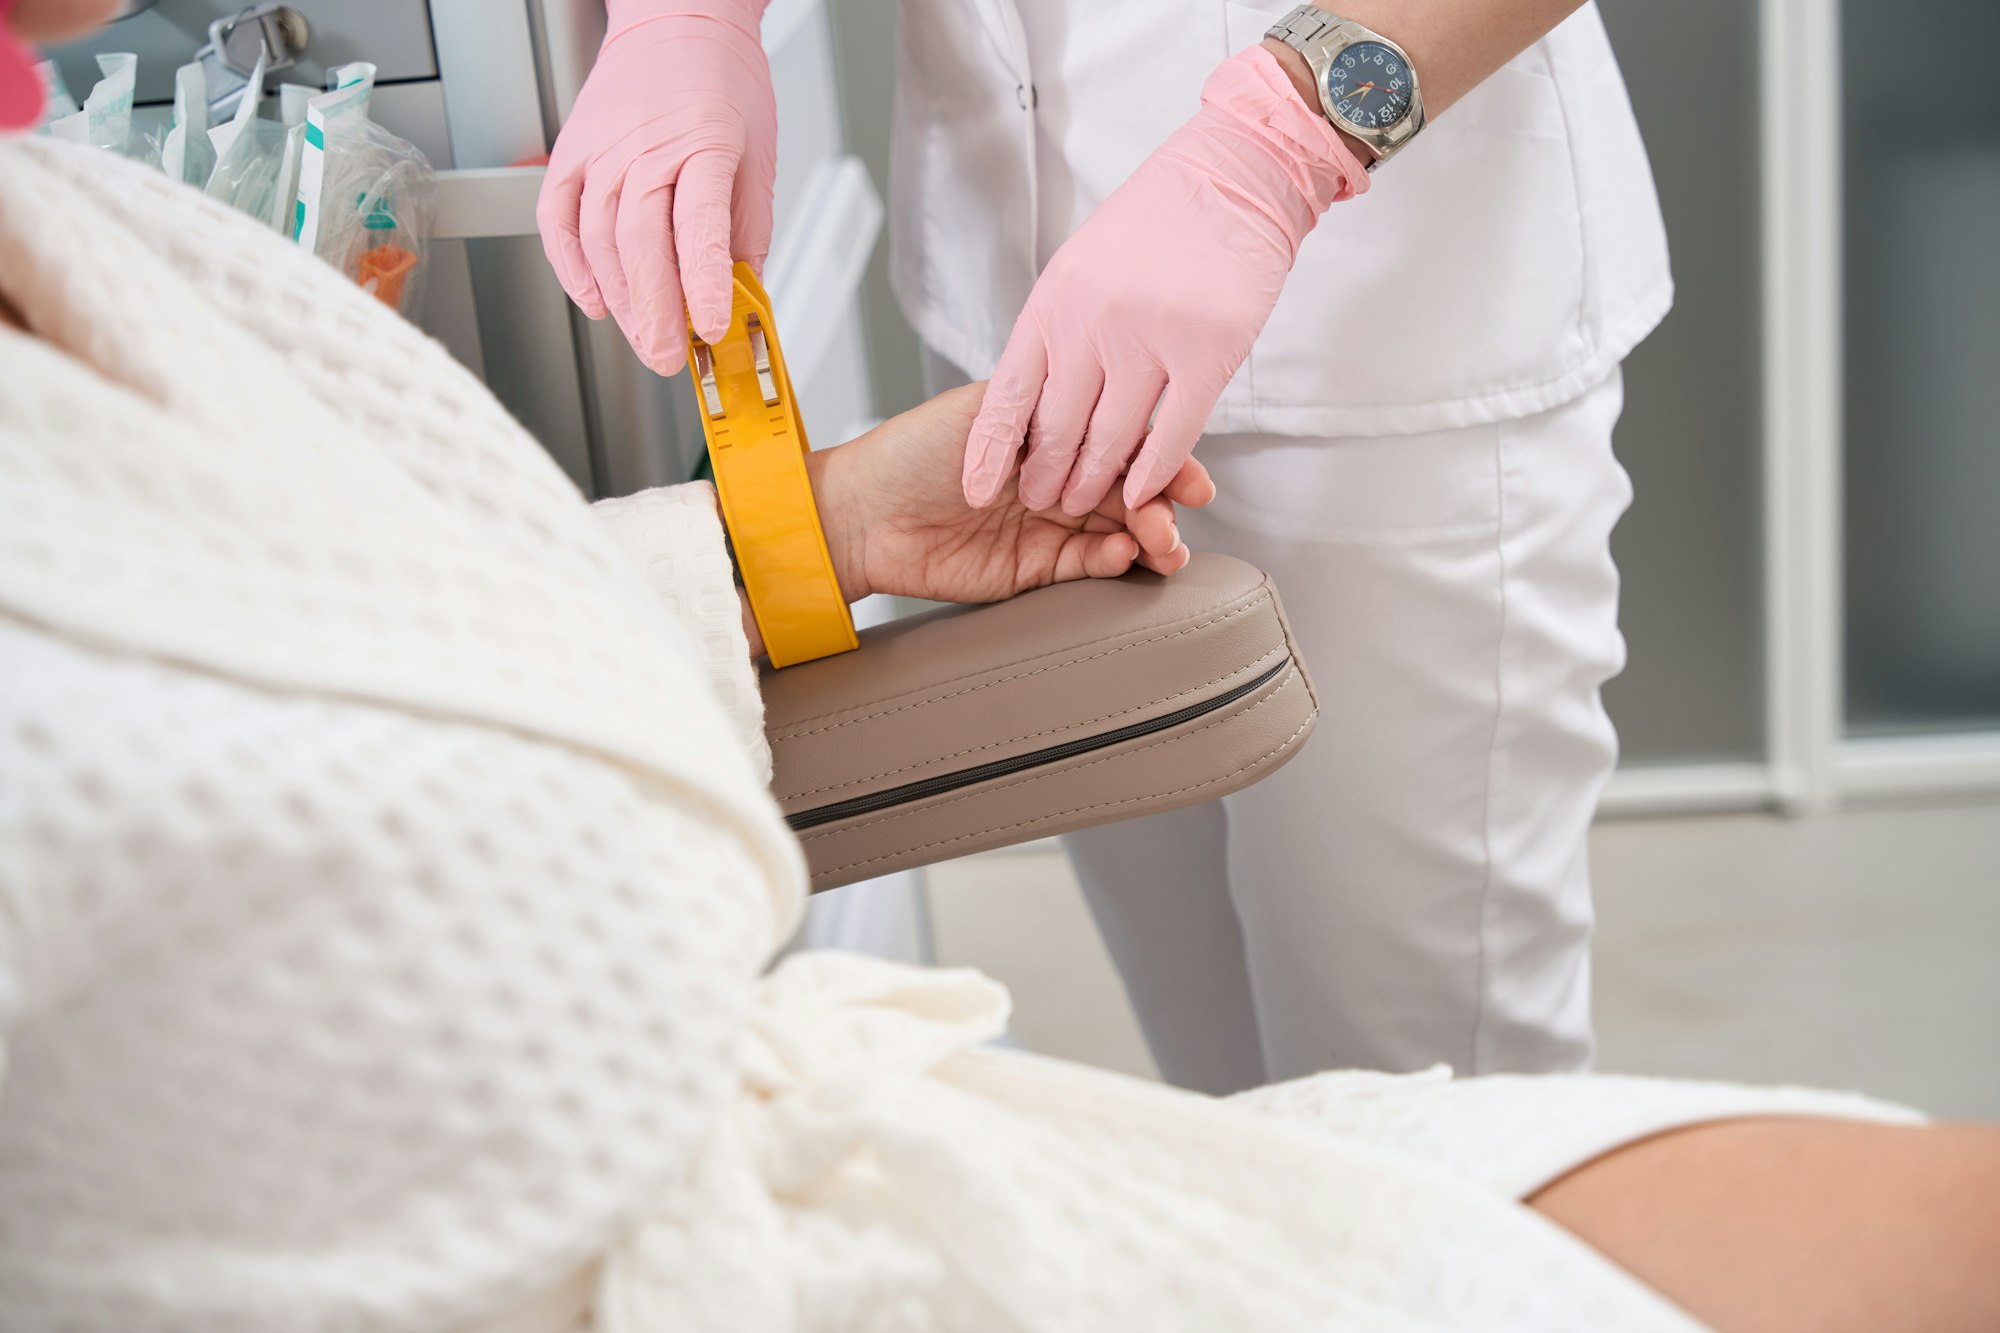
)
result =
(1158, 297)
(20, 86)
(662, 174)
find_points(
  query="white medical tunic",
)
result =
(1506, 262)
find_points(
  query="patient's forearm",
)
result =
(1755, 1226)
(1453, 45)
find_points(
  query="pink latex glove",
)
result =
(663, 172)
(1161, 291)
(20, 86)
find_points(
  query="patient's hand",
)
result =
(896, 520)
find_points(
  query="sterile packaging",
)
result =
(285, 198)
(293, 98)
(257, 167)
(224, 137)
(367, 199)
(382, 238)
(252, 177)
(188, 155)
(105, 121)
(328, 112)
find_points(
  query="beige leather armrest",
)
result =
(968, 728)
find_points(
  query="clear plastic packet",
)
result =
(105, 119)
(251, 176)
(378, 202)
(148, 143)
(285, 198)
(328, 113)
(367, 199)
(292, 101)
(257, 162)
(188, 155)
(224, 137)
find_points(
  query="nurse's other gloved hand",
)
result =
(662, 174)
(897, 522)
(1158, 296)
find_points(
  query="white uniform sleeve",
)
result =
(674, 534)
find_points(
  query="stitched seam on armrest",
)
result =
(1260, 598)
(1252, 665)
(1289, 677)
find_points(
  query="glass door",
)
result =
(1921, 268)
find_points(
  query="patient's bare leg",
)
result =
(1802, 1225)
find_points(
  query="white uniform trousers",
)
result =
(1413, 888)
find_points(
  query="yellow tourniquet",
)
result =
(757, 446)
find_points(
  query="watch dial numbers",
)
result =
(1368, 86)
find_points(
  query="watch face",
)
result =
(1368, 86)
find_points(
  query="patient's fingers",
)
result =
(1113, 538)
(1191, 486)
(1095, 555)
(1171, 560)
(1162, 549)
(1152, 526)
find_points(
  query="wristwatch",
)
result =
(1367, 85)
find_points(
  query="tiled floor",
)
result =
(1857, 950)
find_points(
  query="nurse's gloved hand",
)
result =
(662, 175)
(1158, 296)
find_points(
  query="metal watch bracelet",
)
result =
(1318, 36)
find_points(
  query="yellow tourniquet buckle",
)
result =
(757, 446)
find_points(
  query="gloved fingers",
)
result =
(598, 229)
(556, 209)
(1055, 431)
(1176, 430)
(1095, 555)
(750, 214)
(1113, 435)
(652, 274)
(995, 438)
(702, 231)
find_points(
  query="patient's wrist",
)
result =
(842, 518)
